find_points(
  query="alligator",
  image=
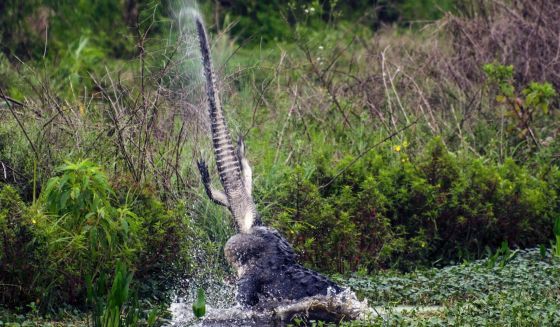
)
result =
(266, 264)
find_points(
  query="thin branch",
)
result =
(12, 100)
(363, 153)
(9, 104)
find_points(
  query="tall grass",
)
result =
(311, 108)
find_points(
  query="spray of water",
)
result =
(221, 308)
(210, 272)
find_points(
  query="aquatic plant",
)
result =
(199, 305)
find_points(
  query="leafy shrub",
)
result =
(163, 234)
(393, 210)
(22, 251)
(86, 234)
(527, 109)
(79, 201)
(81, 229)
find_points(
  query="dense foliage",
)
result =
(22, 251)
(37, 28)
(472, 294)
(390, 209)
(110, 27)
(375, 145)
(265, 21)
(78, 231)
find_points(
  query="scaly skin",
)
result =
(266, 263)
(239, 202)
(268, 272)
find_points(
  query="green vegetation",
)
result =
(74, 233)
(83, 221)
(259, 21)
(199, 306)
(394, 143)
(523, 109)
(434, 208)
(119, 308)
(524, 292)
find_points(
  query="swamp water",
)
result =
(222, 311)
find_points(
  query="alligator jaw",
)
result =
(239, 201)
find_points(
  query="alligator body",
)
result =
(268, 273)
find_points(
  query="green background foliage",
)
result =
(470, 170)
(79, 230)
(392, 211)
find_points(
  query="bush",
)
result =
(79, 230)
(22, 251)
(86, 234)
(265, 21)
(163, 234)
(527, 111)
(392, 210)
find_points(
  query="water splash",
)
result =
(187, 79)
(225, 312)
(219, 296)
(221, 308)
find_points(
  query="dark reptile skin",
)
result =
(267, 262)
(270, 273)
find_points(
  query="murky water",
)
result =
(219, 296)
(221, 310)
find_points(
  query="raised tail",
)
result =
(228, 163)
